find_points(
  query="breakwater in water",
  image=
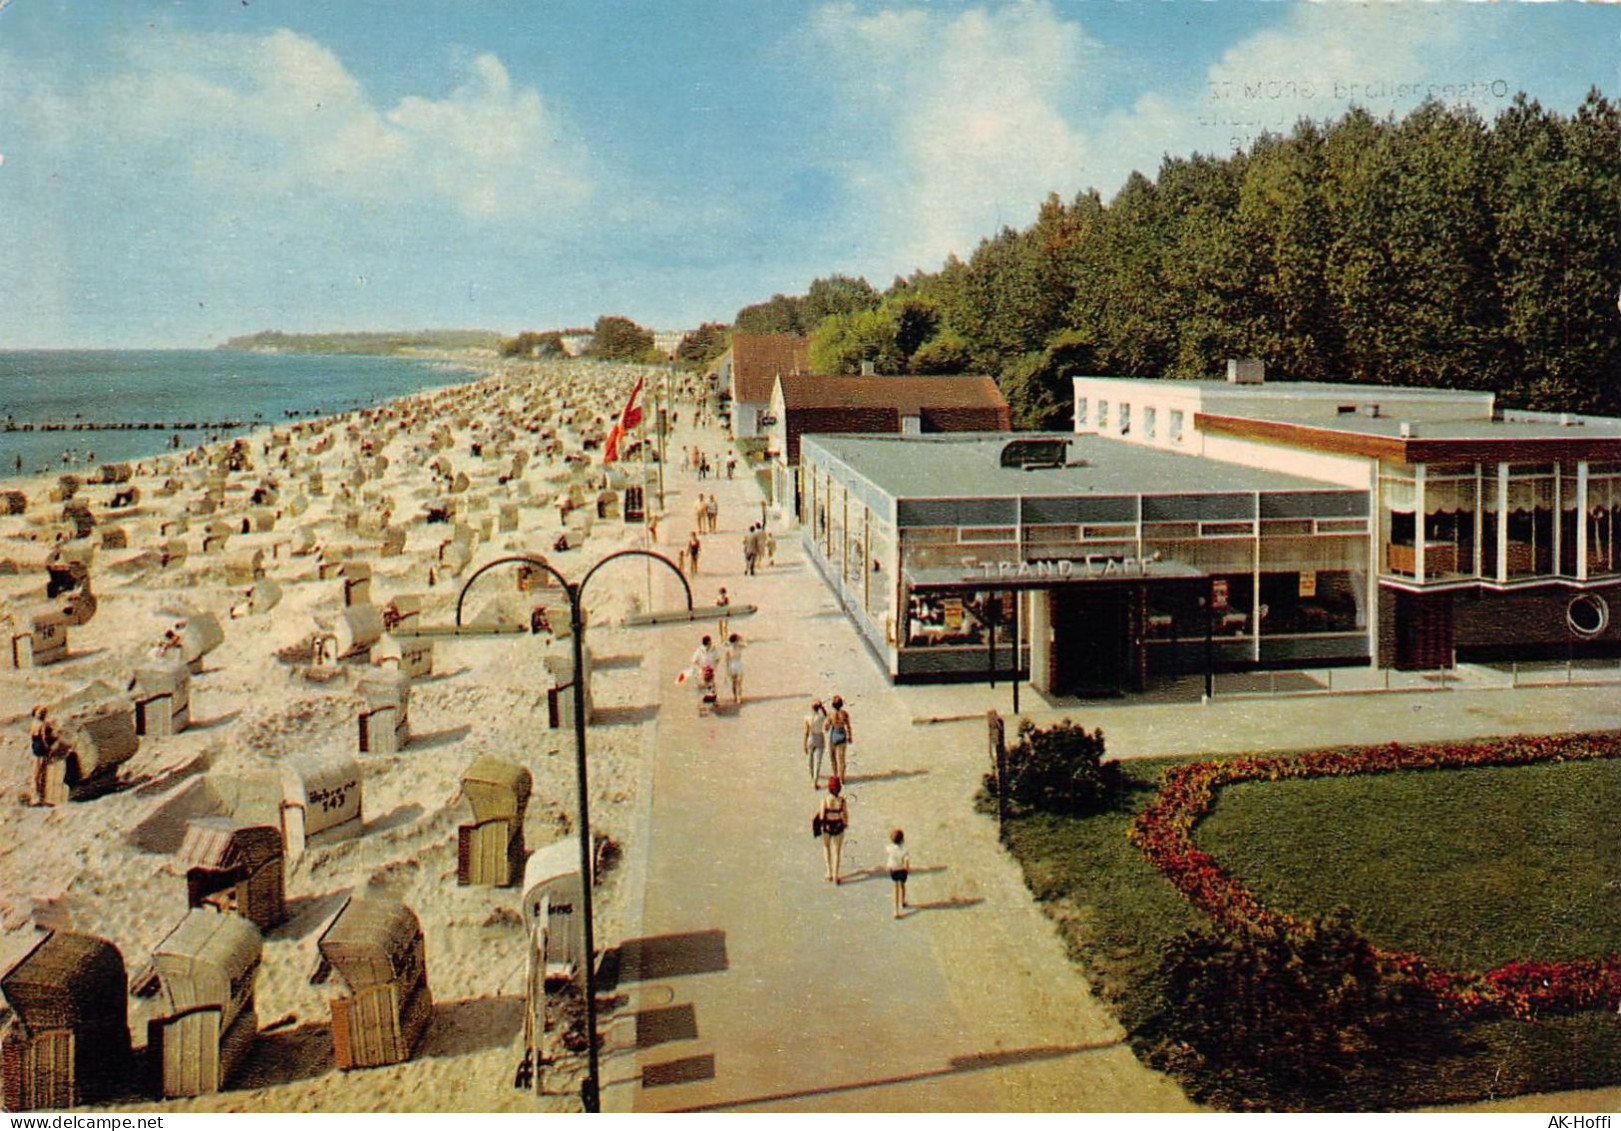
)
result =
(61, 410)
(121, 425)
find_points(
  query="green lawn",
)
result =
(1471, 868)
(1467, 866)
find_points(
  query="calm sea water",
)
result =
(170, 385)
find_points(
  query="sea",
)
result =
(167, 386)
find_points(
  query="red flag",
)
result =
(629, 417)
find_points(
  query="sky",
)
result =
(175, 172)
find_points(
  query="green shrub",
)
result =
(1058, 770)
(1288, 1017)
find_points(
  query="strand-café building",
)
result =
(1493, 532)
(1089, 565)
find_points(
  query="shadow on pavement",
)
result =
(892, 775)
(663, 956)
(973, 1062)
(626, 715)
(947, 904)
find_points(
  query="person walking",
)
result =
(705, 662)
(900, 866)
(723, 602)
(748, 552)
(833, 817)
(694, 547)
(815, 740)
(714, 514)
(839, 735)
(734, 666)
(700, 511)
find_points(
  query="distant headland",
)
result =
(363, 341)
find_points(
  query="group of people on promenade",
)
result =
(827, 730)
(831, 732)
(708, 662)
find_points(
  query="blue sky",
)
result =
(178, 172)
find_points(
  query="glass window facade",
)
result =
(1496, 522)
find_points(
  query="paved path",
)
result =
(759, 985)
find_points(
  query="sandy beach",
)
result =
(352, 489)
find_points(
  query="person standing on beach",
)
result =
(834, 815)
(714, 514)
(815, 741)
(723, 602)
(694, 547)
(734, 666)
(42, 739)
(700, 511)
(839, 735)
(900, 866)
(750, 551)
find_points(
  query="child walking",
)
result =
(899, 865)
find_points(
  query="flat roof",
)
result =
(1438, 414)
(968, 465)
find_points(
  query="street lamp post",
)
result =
(591, 1092)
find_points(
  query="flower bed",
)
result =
(1522, 988)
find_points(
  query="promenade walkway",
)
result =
(755, 984)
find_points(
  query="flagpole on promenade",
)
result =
(647, 511)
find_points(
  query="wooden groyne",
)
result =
(122, 425)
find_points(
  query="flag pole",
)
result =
(647, 511)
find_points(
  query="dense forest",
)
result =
(1438, 249)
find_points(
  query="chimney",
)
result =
(1246, 371)
(1407, 430)
(867, 369)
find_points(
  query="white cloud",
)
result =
(970, 108)
(280, 113)
(976, 114)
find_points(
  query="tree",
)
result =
(945, 353)
(703, 345)
(533, 343)
(619, 339)
(782, 314)
(1559, 237)
(843, 343)
(837, 294)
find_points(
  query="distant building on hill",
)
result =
(665, 341)
(749, 366)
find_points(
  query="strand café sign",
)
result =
(1091, 567)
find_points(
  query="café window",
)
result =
(1174, 429)
(1125, 419)
(957, 619)
(1150, 421)
(1081, 411)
